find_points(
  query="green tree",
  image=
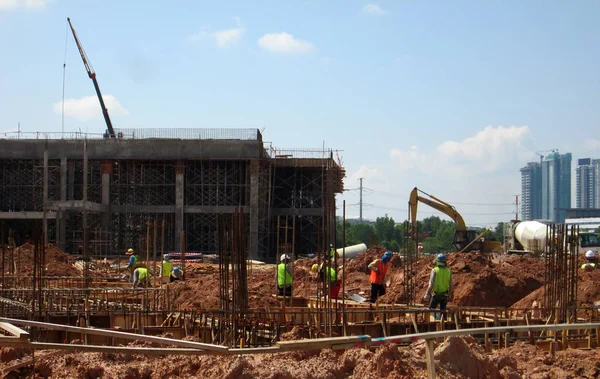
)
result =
(442, 240)
(384, 230)
(430, 225)
(497, 234)
(359, 233)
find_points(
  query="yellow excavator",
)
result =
(464, 239)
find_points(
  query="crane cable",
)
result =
(63, 83)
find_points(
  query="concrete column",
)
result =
(106, 167)
(179, 200)
(71, 181)
(254, 172)
(61, 231)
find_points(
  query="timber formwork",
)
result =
(182, 178)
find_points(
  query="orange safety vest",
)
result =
(377, 276)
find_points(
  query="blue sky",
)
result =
(452, 97)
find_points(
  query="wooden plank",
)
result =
(17, 332)
(430, 359)
(117, 334)
(105, 349)
(496, 329)
(323, 343)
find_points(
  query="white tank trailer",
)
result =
(530, 236)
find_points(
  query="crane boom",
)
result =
(92, 75)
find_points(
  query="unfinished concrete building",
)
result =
(182, 179)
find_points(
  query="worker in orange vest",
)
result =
(378, 269)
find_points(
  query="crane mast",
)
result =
(92, 75)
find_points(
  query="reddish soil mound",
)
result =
(477, 280)
(58, 263)
(362, 260)
(455, 358)
(588, 291)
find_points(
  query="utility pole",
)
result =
(517, 208)
(360, 201)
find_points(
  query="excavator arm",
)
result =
(464, 239)
(434, 203)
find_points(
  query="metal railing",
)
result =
(248, 134)
(182, 133)
(50, 135)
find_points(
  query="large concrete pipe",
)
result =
(532, 235)
(352, 251)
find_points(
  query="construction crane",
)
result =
(464, 239)
(92, 75)
(541, 153)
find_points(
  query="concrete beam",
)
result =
(78, 205)
(142, 209)
(26, 215)
(213, 209)
(297, 211)
(133, 149)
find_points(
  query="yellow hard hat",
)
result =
(130, 251)
(315, 268)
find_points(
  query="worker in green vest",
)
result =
(440, 285)
(166, 267)
(285, 276)
(141, 277)
(590, 261)
(133, 260)
(329, 277)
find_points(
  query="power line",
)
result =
(379, 192)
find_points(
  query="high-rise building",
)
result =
(556, 186)
(588, 183)
(531, 191)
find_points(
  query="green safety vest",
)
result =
(142, 273)
(167, 267)
(283, 277)
(332, 274)
(441, 283)
(583, 266)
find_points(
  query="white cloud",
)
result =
(222, 38)
(24, 4)
(88, 107)
(591, 145)
(487, 151)
(284, 43)
(373, 9)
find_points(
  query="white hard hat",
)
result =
(590, 254)
(284, 257)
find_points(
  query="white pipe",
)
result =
(352, 251)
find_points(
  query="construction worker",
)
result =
(440, 285)
(329, 274)
(590, 261)
(166, 268)
(378, 269)
(332, 252)
(285, 276)
(141, 277)
(133, 260)
(176, 274)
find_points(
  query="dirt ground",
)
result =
(457, 357)
(58, 263)
(478, 280)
